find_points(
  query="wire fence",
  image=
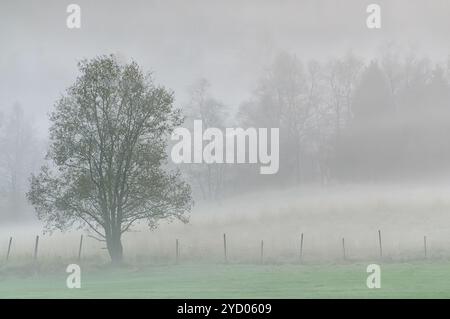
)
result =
(259, 251)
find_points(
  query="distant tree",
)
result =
(342, 78)
(372, 99)
(108, 147)
(319, 129)
(368, 148)
(391, 64)
(285, 100)
(202, 106)
(19, 157)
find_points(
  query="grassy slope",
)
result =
(418, 280)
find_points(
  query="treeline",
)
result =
(341, 120)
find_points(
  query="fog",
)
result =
(370, 154)
(229, 43)
(404, 215)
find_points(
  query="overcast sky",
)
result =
(227, 42)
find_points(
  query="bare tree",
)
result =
(319, 125)
(208, 177)
(283, 99)
(342, 77)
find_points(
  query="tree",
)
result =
(368, 148)
(212, 113)
(319, 129)
(342, 77)
(18, 159)
(284, 100)
(108, 143)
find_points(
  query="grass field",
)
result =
(399, 280)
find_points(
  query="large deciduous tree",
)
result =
(107, 155)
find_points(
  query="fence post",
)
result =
(262, 252)
(80, 248)
(379, 241)
(301, 248)
(9, 248)
(177, 253)
(36, 247)
(225, 247)
(425, 246)
(343, 248)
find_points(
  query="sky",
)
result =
(230, 43)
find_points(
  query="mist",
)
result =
(363, 117)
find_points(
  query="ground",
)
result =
(398, 280)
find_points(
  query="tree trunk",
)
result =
(115, 249)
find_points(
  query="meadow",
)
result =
(405, 280)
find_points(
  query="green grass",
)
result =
(400, 280)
